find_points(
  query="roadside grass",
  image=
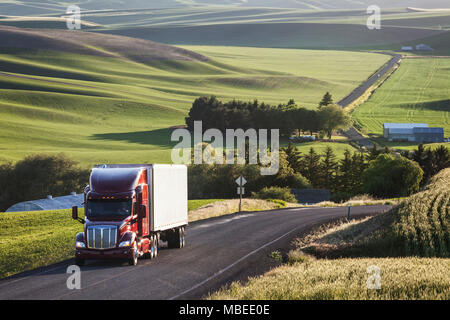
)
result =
(195, 204)
(29, 240)
(401, 279)
(225, 207)
(417, 92)
(410, 245)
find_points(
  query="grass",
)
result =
(29, 240)
(409, 245)
(195, 204)
(402, 278)
(225, 207)
(105, 109)
(417, 92)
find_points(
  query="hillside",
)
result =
(79, 42)
(98, 102)
(285, 24)
(46, 6)
(409, 245)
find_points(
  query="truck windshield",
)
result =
(108, 208)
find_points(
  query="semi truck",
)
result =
(129, 209)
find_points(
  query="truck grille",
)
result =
(101, 237)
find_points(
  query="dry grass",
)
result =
(332, 261)
(225, 207)
(401, 278)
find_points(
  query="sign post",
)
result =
(240, 190)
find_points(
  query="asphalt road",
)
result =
(358, 92)
(352, 133)
(217, 251)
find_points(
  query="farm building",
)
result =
(412, 132)
(50, 203)
(407, 48)
(423, 47)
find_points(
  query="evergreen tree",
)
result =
(326, 100)
(293, 156)
(358, 166)
(441, 158)
(345, 173)
(329, 166)
(311, 167)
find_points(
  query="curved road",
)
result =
(217, 251)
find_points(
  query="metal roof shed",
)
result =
(57, 203)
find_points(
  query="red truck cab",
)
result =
(117, 219)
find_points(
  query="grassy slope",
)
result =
(417, 92)
(419, 227)
(104, 109)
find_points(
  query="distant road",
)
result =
(358, 92)
(218, 250)
(352, 133)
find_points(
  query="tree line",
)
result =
(380, 173)
(288, 118)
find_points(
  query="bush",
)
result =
(281, 203)
(275, 193)
(389, 176)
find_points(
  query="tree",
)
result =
(442, 158)
(329, 166)
(333, 117)
(326, 100)
(311, 167)
(345, 174)
(388, 176)
(293, 156)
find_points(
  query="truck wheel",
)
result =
(79, 262)
(155, 238)
(152, 247)
(183, 240)
(134, 259)
(177, 238)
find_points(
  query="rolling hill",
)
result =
(98, 101)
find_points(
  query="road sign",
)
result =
(241, 181)
(240, 190)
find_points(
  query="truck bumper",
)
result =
(118, 253)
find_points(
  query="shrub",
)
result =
(389, 176)
(275, 193)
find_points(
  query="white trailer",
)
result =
(168, 196)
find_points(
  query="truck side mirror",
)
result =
(75, 213)
(142, 211)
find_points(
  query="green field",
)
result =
(419, 92)
(119, 107)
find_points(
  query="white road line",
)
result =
(233, 264)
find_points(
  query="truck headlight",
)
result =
(125, 243)
(79, 244)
